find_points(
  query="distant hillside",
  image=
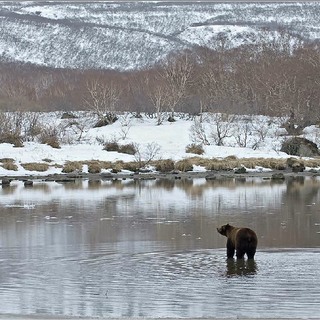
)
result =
(129, 35)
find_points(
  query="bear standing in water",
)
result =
(243, 240)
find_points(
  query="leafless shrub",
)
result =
(221, 127)
(242, 131)
(50, 136)
(31, 125)
(198, 133)
(10, 129)
(144, 156)
(77, 127)
(126, 124)
(102, 98)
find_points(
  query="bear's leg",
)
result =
(240, 253)
(230, 249)
(241, 250)
(251, 252)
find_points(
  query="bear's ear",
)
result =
(227, 225)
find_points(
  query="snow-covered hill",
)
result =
(127, 35)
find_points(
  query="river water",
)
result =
(150, 248)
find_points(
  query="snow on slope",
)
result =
(127, 35)
(171, 138)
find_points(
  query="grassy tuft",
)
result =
(184, 165)
(111, 146)
(8, 164)
(164, 165)
(72, 166)
(35, 166)
(94, 167)
(128, 149)
(195, 148)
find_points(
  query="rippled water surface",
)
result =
(149, 248)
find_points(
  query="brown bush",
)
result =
(117, 167)
(164, 165)
(216, 164)
(128, 149)
(35, 166)
(105, 164)
(6, 160)
(184, 165)
(111, 146)
(313, 163)
(50, 137)
(9, 164)
(94, 167)
(12, 138)
(131, 166)
(195, 148)
(72, 166)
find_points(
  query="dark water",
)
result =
(149, 248)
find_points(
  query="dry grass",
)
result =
(94, 167)
(34, 166)
(8, 164)
(132, 166)
(72, 166)
(313, 163)
(117, 167)
(164, 165)
(233, 162)
(128, 149)
(194, 148)
(183, 165)
(6, 160)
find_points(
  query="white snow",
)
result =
(170, 139)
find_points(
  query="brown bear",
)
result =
(243, 240)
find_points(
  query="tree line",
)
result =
(275, 78)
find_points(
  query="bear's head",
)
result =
(223, 229)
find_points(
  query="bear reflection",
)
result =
(241, 267)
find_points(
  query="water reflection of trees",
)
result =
(282, 215)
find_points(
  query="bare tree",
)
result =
(198, 133)
(156, 90)
(177, 73)
(144, 157)
(102, 99)
(221, 125)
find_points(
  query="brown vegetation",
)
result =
(168, 165)
(8, 164)
(35, 166)
(195, 148)
(72, 166)
(271, 78)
